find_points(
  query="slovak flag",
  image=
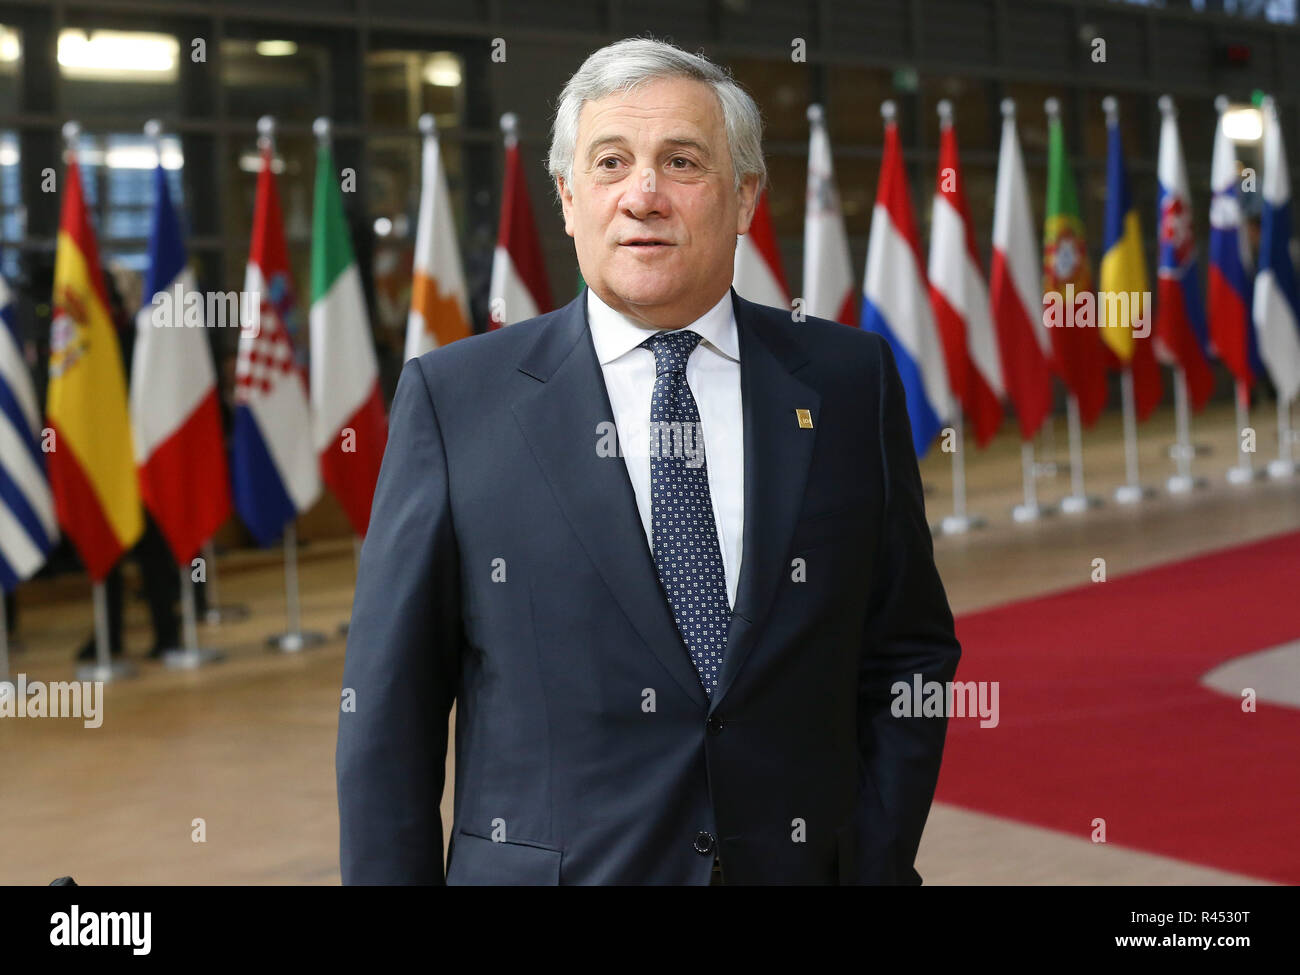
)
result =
(758, 275)
(896, 298)
(827, 265)
(959, 296)
(180, 450)
(1276, 308)
(275, 469)
(519, 289)
(1180, 317)
(1231, 333)
(1015, 287)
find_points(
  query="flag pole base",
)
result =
(1243, 475)
(1075, 504)
(295, 641)
(106, 673)
(960, 524)
(1185, 484)
(182, 658)
(216, 615)
(1279, 468)
(1132, 493)
(1023, 514)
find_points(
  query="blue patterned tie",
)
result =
(684, 536)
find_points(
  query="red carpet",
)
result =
(1102, 715)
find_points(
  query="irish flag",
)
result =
(92, 466)
(439, 309)
(348, 423)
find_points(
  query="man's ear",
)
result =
(566, 203)
(748, 197)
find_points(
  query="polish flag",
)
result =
(827, 266)
(1015, 287)
(758, 275)
(519, 289)
(896, 298)
(959, 296)
(180, 450)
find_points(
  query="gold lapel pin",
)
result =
(805, 419)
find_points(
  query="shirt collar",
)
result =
(614, 334)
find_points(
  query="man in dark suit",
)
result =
(664, 548)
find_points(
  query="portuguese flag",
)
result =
(92, 463)
(1080, 357)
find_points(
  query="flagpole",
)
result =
(1284, 464)
(1243, 472)
(1030, 509)
(1183, 482)
(1078, 500)
(216, 614)
(1131, 491)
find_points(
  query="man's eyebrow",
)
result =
(681, 142)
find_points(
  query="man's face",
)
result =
(653, 209)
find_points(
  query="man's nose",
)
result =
(643, 197)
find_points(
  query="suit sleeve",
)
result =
(402, 665)
(909, 632)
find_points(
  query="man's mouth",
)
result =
(646, 242)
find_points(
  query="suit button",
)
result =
(715, 725)
(703, 844)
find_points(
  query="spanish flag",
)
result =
(92, 464)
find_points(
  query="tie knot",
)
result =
(672, 349)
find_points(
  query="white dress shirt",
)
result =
(713, 374)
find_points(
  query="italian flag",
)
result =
(348, 423)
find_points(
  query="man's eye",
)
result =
(681, 159)
(607, 159)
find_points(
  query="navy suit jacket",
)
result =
(506, 570)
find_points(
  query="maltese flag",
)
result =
(959, 296)
(896, 298)
(1277, 305)
(827, 266)
(758, 275)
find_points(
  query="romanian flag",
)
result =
(1079, 355)
(1125, 288)
(92, 466)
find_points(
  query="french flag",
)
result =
(180, 450)
(1276, 302)
(958, 295)
(1229, 287)
(757, 275)
(896, 298)
(275, 469)
(1180, 317)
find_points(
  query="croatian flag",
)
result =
(1276, 302)
(180, 450)
(827, 266)
(896, 298)
(275, 468)
(28, 528)
(1180, 317)
(958, 295)
(757, 275)
(1229, 285)
(1015, 287)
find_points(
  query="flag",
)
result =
(519, 289)
(349, 428)
(1125, 297)
(827, 266)
(275, 470)
(757, 274)
(180, 450)
(1078, 354)
(1015, 287)
(439, 307)
(1276, 303)
(28, 530)
(1231, 332)
(92, 466)
(1180, 316)
(896, 298)
(960, 298)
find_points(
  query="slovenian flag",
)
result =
(519, 289)
(1180, 316)
(959, 296)
(757, 274)
(28, 530)
(1229, 287)
(350, 429)
(896, 298)
(827, 266)
(274, 466)
(180, 449)
(92, 463)
(1276, 308)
